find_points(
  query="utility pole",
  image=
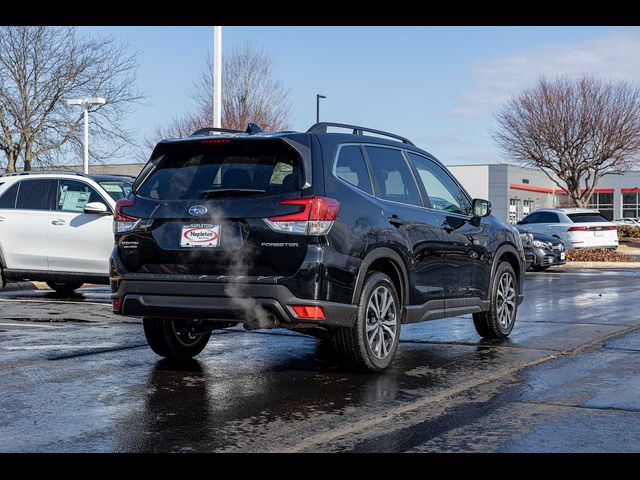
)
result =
(217, 77)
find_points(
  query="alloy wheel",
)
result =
(506, 301)
(185, 332)
(381, 324)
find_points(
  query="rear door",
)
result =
(203, 207)
(25, 211)
(79, 242)
(412, 227)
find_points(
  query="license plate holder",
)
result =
(200, 235)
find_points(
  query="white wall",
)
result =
(474, 178)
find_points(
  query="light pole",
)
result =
(217, 77)
(318, 97)
(86, 103)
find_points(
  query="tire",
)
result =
(495, 323)
(172, 339)
(372, 351)
(538, 268)
(64, 287)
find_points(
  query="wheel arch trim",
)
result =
(396, 260)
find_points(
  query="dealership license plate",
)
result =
(200, 235)
(599, 234)
(563, 255)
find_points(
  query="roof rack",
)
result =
(252, 128)
(43, 172)
(321, 127)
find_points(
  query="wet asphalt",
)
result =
(75, 378)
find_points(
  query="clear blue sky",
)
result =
(435, 85)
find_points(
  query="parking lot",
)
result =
(75, 378)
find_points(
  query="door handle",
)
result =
(58, 222)
(397, 221)
(448, 228)
(1, 219)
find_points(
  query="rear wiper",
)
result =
(229, 191)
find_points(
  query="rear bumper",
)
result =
(584, 241)
(612, 245)
(223, 301)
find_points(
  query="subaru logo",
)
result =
(197, 210)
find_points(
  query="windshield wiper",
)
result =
(229, 191)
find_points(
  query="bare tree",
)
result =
(575, 129)
(40, 67)
(250, 93)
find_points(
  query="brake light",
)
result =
(308, 311)
(122, 222)
(594, 229)
(216, 140)
(315, 217)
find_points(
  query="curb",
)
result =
(599, 265)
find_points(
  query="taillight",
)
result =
(591, 229)
(315, 217)
(122, 222)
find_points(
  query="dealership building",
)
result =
(516, 191)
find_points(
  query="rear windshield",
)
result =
(587, 217)
(199, 170)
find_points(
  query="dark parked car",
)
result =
(542, 251)
(341, 234)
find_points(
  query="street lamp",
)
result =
(318, 97)
(217, 76)
(86, 103)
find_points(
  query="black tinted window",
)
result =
(35, 194)
(392, 176)
(198, 169)
(351, 168)
(586, 217)
(548, 217)
(533, 218)
(8, 199)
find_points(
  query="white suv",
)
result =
(57, 227)
(576, 227)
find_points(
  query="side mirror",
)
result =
(522, 222)
(481, 208)
(96, 208)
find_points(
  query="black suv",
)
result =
(347, 235)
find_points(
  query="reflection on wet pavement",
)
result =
(95, 386)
